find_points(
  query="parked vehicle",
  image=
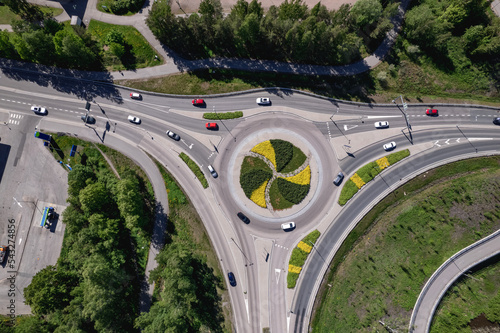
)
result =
(3, 253)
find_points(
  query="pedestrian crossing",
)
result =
(14, 119)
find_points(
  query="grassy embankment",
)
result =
(383, 264)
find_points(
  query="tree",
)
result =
(7, 50)
(114, 36)
(50, 290)
(293, 10)
(31, 324)
(129, 203)
(95, 198)
(40, 46)
(78, 177)
(366, 12)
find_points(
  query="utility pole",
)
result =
(223, 123)
(333, 121)
(405, 107)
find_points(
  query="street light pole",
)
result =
(223, 123)
(405, 107)
(333, 121)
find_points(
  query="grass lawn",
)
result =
(138, 52)
(278, 201)
(469, 298)
(6, 15)
(382, 266)
(250, 163)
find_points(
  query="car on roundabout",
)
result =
(288, 226)
(263, 101)
(381, 124)
(39, 110)
(212, 171)
(390, 146)
(135, 120)
(243, 217)
(337, 181)
(173, 135)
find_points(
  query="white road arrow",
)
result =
(447, 141)
(436, 143)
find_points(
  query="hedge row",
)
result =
(298, 257)
(283, 151)
(222, 115)
(195, 168)
(252, 180)
(367, 173)
(292, 192)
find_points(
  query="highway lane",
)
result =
(372, 193)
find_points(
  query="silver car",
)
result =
(39, 110)
(382, 124)
(288, 226)
(263, 101)
(390, 145)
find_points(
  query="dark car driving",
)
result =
(243, 217)
(232, 279)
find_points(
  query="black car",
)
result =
(174, 136)
(496, 121)
(243, 217)
(88, 119)
(232, 279)
(339, 179)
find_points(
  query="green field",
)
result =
(380, 269)
(138, 52)
(470, 297)
(6, 15)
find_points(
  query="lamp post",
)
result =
(331, 118)
(405, 107)
(223, 123)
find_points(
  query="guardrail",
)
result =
(439, 271)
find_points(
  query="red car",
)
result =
(431, 112)
(198, 101)
(211, 126)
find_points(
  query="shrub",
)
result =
(348, 191)
(291, 279)
(283, 151)
(292, 192)
(253, 179)
(398, 156)
(223, 115)
(195, 168)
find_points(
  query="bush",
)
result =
(283, 151)
(368, 171)
(298, 257)
(195, 168)
(348, 191)
(396, 157)
(291, 279)
(223, 115)
(253, 179)
(292, 192)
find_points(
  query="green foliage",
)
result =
(50, 290)
(291, 279)
(222, 115)
(366, 12)
(283, 151)
(292, 192)
(348, 191)
(297, 160)
(78, 179)
(114, 36)
(397, 156)
(298, 257)
(253, 179)
(312, 237)
(31, 324)
(195, 168)
(95, 197)
(277, 200)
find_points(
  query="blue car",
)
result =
(232, 279)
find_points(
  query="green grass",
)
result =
(222, 115)
(382, 265)
(468, 298)
(139, 53)
(297, 160)
(277, 199)
(6, 15)
(298, 257)
(195, 168)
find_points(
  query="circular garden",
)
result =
(275, 175)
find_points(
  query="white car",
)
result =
(38, 110)
(390, 145)
(135, 96)
(381, 124)
(134, 120)
(212, 171)
(288, 226)
(174, 136)
(263, 101)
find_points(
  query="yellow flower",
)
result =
(294, 269)
(304, 247)
(302, 178)
(382, 163)
(259, 195)
(266, 149)
(357, 180)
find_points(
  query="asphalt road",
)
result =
(260, 298)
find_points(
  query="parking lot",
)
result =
(30, 180)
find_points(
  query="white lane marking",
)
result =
(277, 273)
(346, 127)
(479, 139)
(248, 313)
(370, 117)
(20, 240)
